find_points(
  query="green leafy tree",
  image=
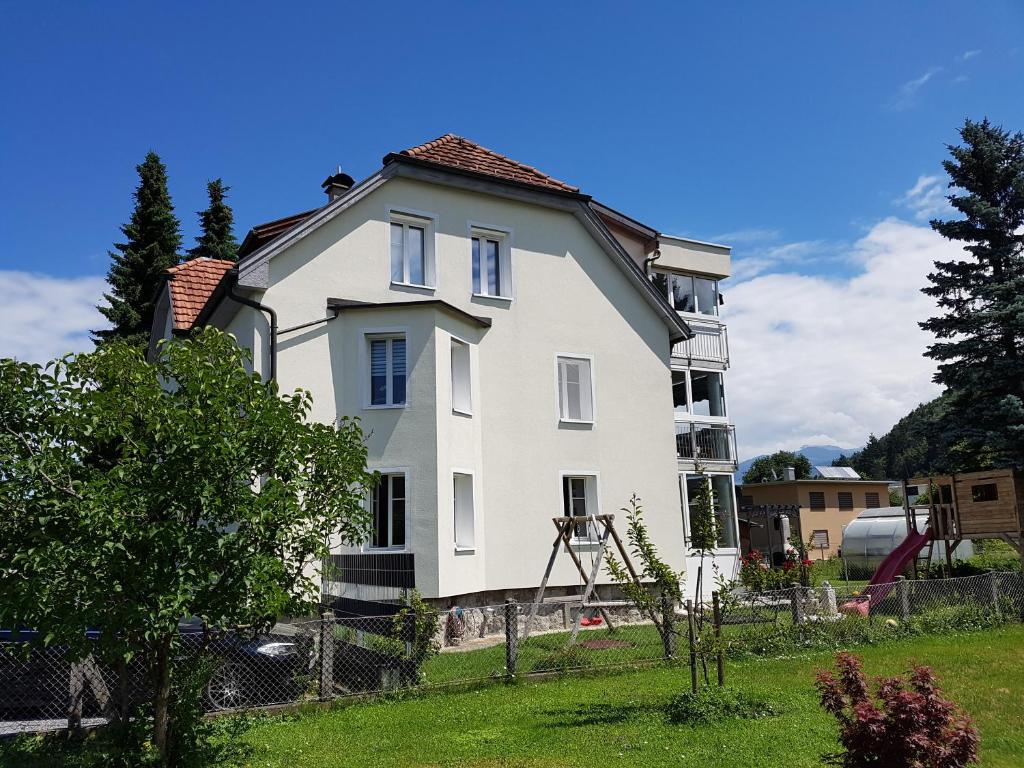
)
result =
(137, 493)
(773, 467)
(217, 238)
(980, 327)
(152, 240)
(660, 599)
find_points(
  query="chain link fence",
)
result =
(339, 656)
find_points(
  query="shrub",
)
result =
(950, 619)
(711, 705)
(903, 724)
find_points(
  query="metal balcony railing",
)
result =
(696, 441)
(710, 343)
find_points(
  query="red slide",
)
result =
(893, 565)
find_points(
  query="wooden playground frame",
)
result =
(970, 505)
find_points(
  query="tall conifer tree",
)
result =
(217, 240)
(152, 240)
(980, 331)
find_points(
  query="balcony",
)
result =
(710, 344)
(706, 443)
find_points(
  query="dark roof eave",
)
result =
(339, 305)
(395, 157)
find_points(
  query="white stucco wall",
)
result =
(569, 297)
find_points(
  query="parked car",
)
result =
(268, 669)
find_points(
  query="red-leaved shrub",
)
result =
(904, 724)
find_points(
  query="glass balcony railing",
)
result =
(704, 442)
(709, 344)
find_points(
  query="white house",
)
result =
(515, 351)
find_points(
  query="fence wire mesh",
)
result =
(346, 655)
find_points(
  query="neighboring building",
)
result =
(827, 506)
(500, 337)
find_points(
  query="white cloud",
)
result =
(43, 317)
(968, 55)
(927, 198)
(820, 360)
(745, 236)
(754, 261)
(906, 97)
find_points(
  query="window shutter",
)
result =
(378, 372)
(398, 371)
(817, 499)
(462, 396)
(871, 501)
(845, 501)
(463, 496)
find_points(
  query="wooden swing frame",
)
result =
(564, 526)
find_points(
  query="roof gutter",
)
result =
(271, 314)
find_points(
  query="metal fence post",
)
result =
(993, 590)
(327, 656)
(796, 603)
(716, 605)
(668, 636)
(76, 688)
(903, 597)
(692, 635)
(511, 637)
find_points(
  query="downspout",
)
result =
(649, 261)
(272, 344)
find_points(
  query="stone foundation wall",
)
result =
(481, 615)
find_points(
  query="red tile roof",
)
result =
(457, 152)
(191, 285)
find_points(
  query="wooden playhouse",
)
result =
(971, 505)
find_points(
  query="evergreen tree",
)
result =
(980, 331)
(152, 239)
(217, 240)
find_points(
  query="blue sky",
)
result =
(790, 129)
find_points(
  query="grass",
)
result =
(615, 718)
(618, 718)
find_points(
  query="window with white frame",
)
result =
(388, 503)
(680, 393)
(462, 389)
(698, 393)
(707, 390)
(387, 370)
(689, 293)
(723, 505)
(492, 267)
(463, 499)
(575, 389)
(579, 499)
(412, 250)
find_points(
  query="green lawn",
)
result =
(616, 718)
